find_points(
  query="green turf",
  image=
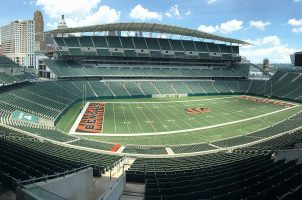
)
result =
(151, 117)
(137, 118)
(202, 136)
(67, 120)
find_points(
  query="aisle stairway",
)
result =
(134, 191)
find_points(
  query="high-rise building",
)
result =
(1, 50)
(18, 41)
(39, 28)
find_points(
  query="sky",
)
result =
(273, 27)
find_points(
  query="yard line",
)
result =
(147, 119)
(160, 121)
(182, 107)
(114, 120)
(233, 115)
(179, 101)
(126, 120)
(168, 117)
(136, 119)
(198, 117)
(176, 116)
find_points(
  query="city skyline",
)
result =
(273, 28)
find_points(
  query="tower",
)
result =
(266, 66)
(39, 28)
(62, 23)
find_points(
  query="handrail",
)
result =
(34, 180)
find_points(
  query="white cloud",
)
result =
(138, 12)
(51, 25)
(297, 30)
(81, 13)
(188, 12)
(261, 25)
(104, 14)
(295, 22)
(173, 12)
(208, 29)
(297, 25)
(231, 26)
(211, 1)
(55, 8)
(225, 27)
(296, 1)
(270, 47)
(30, 3)
(269, 40)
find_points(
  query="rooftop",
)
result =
(148, 27)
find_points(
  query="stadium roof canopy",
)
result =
(148, 27)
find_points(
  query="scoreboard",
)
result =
(297, 59)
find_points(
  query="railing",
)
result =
(36, 193)
(45, 178)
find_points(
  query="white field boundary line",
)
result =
(222, 149)
(136, 118)
(113, 118)
(186, 130)
(244, 134)
(103, 116)
(180, 101)
(78, 120)
(149, 155)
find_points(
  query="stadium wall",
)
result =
(74, 186)
(116, 191)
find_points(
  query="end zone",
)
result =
(90, 119)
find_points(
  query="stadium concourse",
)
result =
(182, 116)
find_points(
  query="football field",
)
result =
(187, 120)
(167, 116)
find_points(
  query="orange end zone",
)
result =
(115, 147)
(92, 120)
(269, 101)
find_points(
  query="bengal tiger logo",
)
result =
(197, 110)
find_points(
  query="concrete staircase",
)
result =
(133, 191)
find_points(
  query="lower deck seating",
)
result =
(93, 144)
(192, 148)
(144, 150)
(235, 141)
(216, 176)
(44, 131)
(143, 167)
(23, 165)
(282, 142)
(99, 162)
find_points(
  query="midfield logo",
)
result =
(197, 110)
